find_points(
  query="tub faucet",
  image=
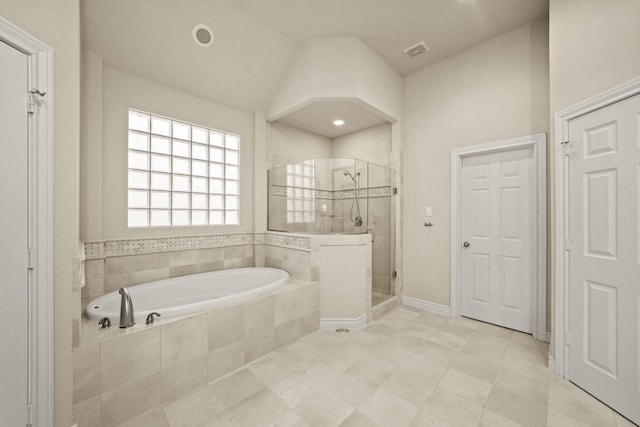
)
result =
(126, 309)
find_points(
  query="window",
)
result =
(300, 187)
(181, 174)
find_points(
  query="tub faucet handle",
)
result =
(105, 322)
(150, 318)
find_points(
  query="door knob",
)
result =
(466, 244)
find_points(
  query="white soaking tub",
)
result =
(194, 293)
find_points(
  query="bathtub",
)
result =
(194, 293)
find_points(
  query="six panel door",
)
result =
(496, 228)
(604, 289)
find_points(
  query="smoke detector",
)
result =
(416, 49)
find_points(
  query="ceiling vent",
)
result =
(416, 49)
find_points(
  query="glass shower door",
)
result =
(381, 223)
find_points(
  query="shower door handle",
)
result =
(466, 244)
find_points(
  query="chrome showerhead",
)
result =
(347, 173)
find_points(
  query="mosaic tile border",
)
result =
(382, 191)
(295, 242)
(123, 247)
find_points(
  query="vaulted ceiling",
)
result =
(256, 40)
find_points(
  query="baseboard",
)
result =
(552, 365)
(431, 307)
(548, 338)
(333, 323)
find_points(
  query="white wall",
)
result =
(372, 145)
(58, 25)
(493, 91)
(290, 145)
(593, 47)
(122, 91)
(338, 68)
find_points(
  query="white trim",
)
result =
(538, 144)
(343, 323)
(561, 259)
(41, 199)
(431, 307)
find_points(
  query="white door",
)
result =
(13, 236)
(497, 231)
(604, 230)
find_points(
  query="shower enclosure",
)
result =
(339, 196)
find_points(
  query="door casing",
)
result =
(559, 361)
(40, 303)
(539, 300)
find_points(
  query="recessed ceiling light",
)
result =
(338, 122)
(202, 35)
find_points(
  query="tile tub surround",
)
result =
(122, 374)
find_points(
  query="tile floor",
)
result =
(409, 368)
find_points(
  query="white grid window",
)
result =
(181, 174)
(300, 187)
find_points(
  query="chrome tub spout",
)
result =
(126, 309)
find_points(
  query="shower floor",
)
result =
(378, 297)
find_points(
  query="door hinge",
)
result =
(394, 274)
(567, 245)
(395, 190)
(31, 100)
(567, 338)
(31, 259)
(565, 148)
(31, 104)
(30, 414)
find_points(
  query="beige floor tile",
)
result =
(466, 386)
(152, 418)
(236, 387)
(623, 422)
(197, 408)
(570, 400)
(357, 419)
(436, 352)
(291, 419)
(352, 389)
(296, 388)
(449, 409)
(556, 418)
(372, 368)
(491, 419)
(513, 406)
(451, 341)
(260, 409)
(387, 409)
(322, 409)
(478, 368)
(533, 388)
(380, 331)
(415, 381)
(478, 349)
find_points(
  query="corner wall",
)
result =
(593, 47)
(493, 91)
(107, 183)
(57, 24)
